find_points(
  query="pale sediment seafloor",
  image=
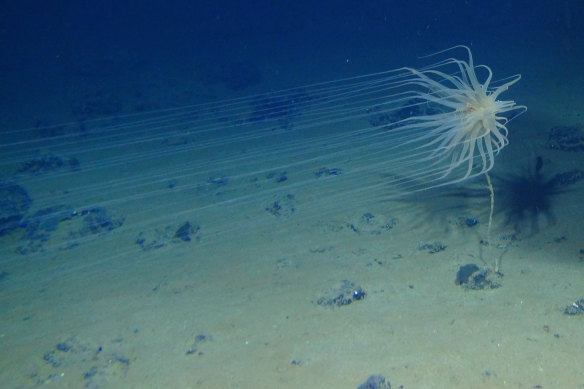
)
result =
(269, 295)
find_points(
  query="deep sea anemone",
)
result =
(467, 126)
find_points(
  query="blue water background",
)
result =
(302, 41)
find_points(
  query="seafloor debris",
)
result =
(371, 224)
(366, 223)
(277, 176)
(576, 308)
(103, 365)
(214, 185)
(75, 224)
(472, 277)
(48, 163)
(566, 138)
(40, 227)
(346, 294)
(470, 221)
(161, 237)
(324, 172)
(282, 205)
(14, 203)
(195, 348)
(433, 247)
(568, 178)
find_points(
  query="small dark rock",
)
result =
(93, 371)
(218, 181)
(124, 360)
(278, 177)
(283, 206)
(471, 222)
(483, 279)
(464, 273)
(199, 339)
(576, 308)
(202, 338)
(323, 172)
(64, 347)
(52, 359)
(433, 247)
(376, 381)
(367, 217)
(359, 294)
(185, 231)
(352, 227)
